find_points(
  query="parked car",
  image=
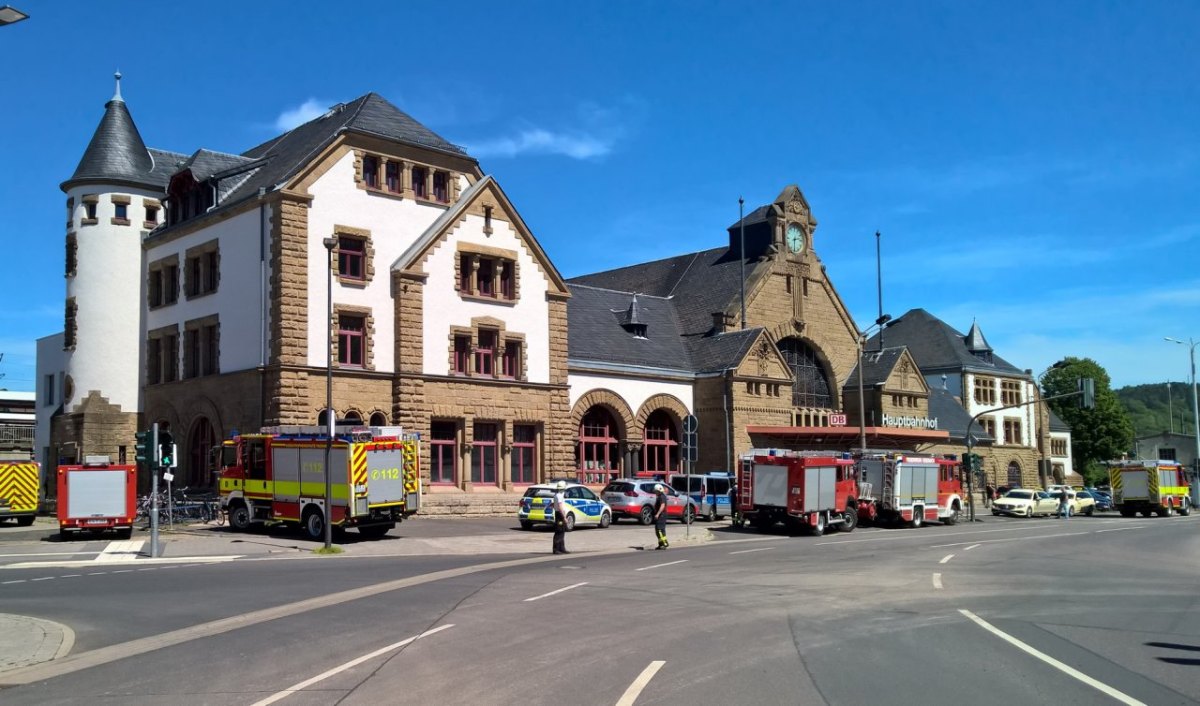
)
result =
(1085, 503)
(583, 506)
(634, 497)
(1103, 500)
(1025, 503)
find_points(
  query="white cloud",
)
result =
(540, 141)
(293, 117)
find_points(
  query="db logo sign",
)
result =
(837, 420)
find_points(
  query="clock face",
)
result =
(795, 238)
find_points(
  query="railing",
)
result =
(16, 436)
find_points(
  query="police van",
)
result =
(710, 492)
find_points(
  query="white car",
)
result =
(1022, 502)
(583, 506)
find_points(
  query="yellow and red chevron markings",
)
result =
(358, 464)
(19, 486)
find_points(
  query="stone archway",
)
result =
(1014, 474)
(611, 401)
(813, 385)
(603, 424)
(661, 401)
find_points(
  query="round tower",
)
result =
(113, 201)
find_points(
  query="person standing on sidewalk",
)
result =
(660, 516)
(560, 519)
(1064, 503)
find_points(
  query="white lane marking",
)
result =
(44, 578)
(946, 558)
(937, 581)
(11, 556)
(70, 576)
(1070, 671)
(123, 571)
(635, 689)
(97, 573)
(967, 549)
(125, 549)
(1121, 529)
(1013, 539)
(909, 534)
(5, 583)
(656, 566)
(747, 551)
(547, 595)
(348, 665)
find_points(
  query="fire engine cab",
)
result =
(909, 488)
(278, 475)
(816, 490)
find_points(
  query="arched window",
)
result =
(352, 417)
(379, 419)
(200, 444)
(598, 453)
(660, 452)
(811, 388)
(1014, 474)
(323, 418)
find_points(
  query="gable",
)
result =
(484, 198)
(906, 377)
(763, 360)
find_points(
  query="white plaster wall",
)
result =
(51, 360)
(1026, 413)
(443, 307)
(394, 224)
(108, 287)
(1067, 460)
(238, 299)
(634, 391)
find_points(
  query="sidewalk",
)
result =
(32, 640)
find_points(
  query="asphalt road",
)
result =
(1085, 611)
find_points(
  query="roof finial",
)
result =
(117, 95)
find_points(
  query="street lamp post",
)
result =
(880, 323)
(329, 243)
(1191, 344)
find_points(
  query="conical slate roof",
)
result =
(975, 340)
(116, 152)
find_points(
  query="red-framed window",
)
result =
(351, 339)
(598, 454)
(464, 274)
(462, 352)
(351, 257)
(485, 353)
(391, 177)
(524, 453)
(506, 280)
(443, 452)
(483, 453)
(371, 171)
(660, 450)
(419, 175)
(486, 277)
(510, 364)
(441, 187)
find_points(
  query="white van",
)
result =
(710, 492)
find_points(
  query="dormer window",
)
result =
(188, 198)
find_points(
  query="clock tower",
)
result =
(792, 224)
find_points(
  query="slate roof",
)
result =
(953, 418)
(878, 366)
(1056, 422)
(935, 346)
(712, 354)
(594, 331)
(698, 284)
(116, 152)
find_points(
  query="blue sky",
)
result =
(1034, 168)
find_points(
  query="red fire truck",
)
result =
(97, 496)
(278, 475)
(909, 488)
(800, 489)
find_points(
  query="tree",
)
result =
(1103, 433)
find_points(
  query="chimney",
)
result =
(718, 322)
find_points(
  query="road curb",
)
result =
(29, 641)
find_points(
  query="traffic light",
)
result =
(166, 450)
(144, 446)
(1087, 386)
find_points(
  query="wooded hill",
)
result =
(1151, 410)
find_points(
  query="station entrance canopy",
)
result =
(844, 438)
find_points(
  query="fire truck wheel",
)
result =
(1186, 508)
(313, 524)
(952, 518)
(849, 520)
(647, 515)
(239, 518)
(819, 528)
(918, 517)
(1166, 511)
(28, 520)
(125, 533)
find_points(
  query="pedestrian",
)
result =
(660, 516)
(1064, 503)
(735, 517)
(988, 492)
(560, 518)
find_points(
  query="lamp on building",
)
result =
(11, 15)
(1191, 344)
(329, 243)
